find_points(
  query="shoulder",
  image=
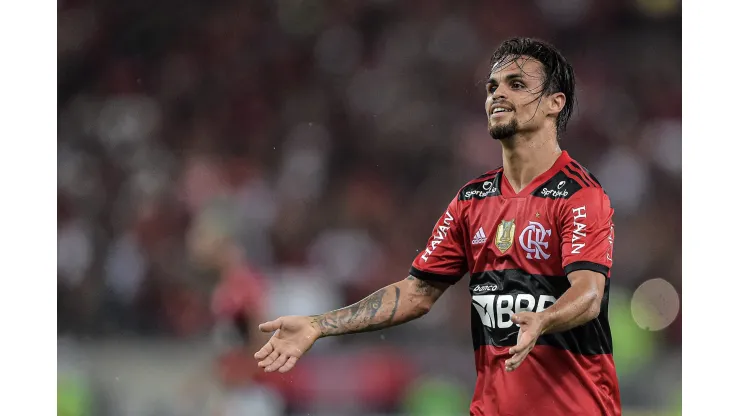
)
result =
(484, 186)
(573, 181)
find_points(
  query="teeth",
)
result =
(498, 110)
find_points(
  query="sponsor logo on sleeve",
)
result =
(578, 239)
(439, 236)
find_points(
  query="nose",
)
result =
(498, 94)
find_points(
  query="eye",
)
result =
(491, 88)
(517, 85)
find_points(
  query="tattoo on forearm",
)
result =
(376, 311)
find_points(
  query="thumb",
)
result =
(271, 326)
(518, 318)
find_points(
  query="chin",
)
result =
(503, 131)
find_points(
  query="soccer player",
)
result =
(536, 236)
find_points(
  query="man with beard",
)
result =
(536, 236)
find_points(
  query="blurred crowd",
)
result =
(232, 161)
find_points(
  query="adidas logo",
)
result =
(480, 237)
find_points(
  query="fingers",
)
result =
(289, 365)
(264, 351)
(278, 363)
(520, 351)
(514, 362)
(269, 360)
(271, 326)
(524, 341)
(517, 349)
(281, 361)
(521, 317)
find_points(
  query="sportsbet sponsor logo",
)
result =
(439, 236)
(554, 193)
(496, 310)
(488, 189)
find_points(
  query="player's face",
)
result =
(515, 103)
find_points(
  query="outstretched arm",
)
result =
(392, 305)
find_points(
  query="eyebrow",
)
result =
(506, 78)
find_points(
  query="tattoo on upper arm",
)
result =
(422, 287)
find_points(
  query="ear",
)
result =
(556, 102)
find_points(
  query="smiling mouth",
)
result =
(499, 112)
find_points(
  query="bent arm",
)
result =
(392, 305)
(579, 304)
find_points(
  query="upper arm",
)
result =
(588, 281)
(587, 232)
(443, 259)
(422, 292)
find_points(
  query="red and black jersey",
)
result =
(519, 249)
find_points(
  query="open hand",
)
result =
(530, 328)
(293, 336)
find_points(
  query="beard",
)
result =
(504, 131)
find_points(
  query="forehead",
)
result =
(524, 66)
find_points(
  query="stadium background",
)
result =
(322, 139)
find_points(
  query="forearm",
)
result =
(577, 306)
(392, 305)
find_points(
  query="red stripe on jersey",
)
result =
(496, 261)
(550, 381)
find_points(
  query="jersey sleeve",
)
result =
(443, 259)
(587, 232)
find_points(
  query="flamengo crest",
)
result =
(532, 240)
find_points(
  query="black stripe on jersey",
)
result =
(578, 175)
(583, 172)
(498, 294)
(586, 265)
(434, 277)
(560, 186)
(482, 189)
(588, 172)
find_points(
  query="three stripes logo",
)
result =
(480, 237)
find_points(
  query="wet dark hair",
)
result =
(558, 73)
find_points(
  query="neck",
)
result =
(526, 157)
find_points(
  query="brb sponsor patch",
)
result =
(495, 311)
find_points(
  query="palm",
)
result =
(530, 327)
(294, 333)
(526, 335)
(293, 336)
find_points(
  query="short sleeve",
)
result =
(587, 232)
(443, 258)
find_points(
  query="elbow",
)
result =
(423, 308)
(594, 306)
